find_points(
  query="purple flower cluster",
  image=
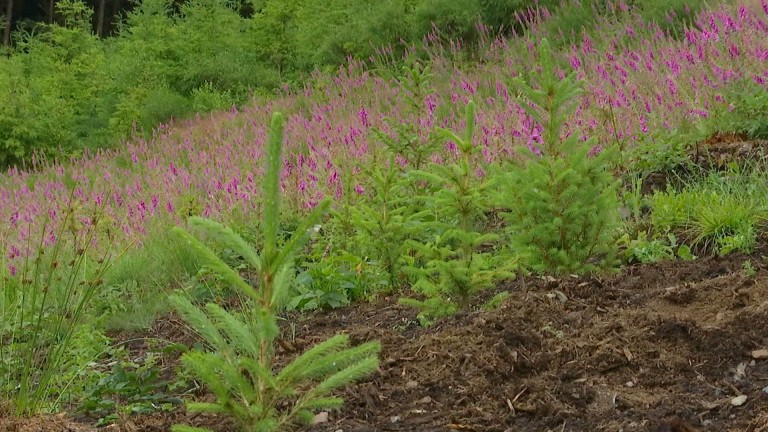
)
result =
(644, 78)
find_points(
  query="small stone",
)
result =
(411, 385)
(321, 417)
(629, 384)
(425, 400)
(394, 419)
(739, 400)
(760, 354)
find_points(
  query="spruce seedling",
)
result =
(562, 205)
(454, 269)
(385, 223)
(239, 369)
(416, 82)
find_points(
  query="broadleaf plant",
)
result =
(239, 368)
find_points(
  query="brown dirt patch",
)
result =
(715, 153)
(663, 347)
(723, 149)
(44, 423)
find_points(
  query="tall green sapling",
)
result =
(239, 368)
(562, 205)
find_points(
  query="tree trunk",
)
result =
(8, 23)
(51, 7)
(100, 19)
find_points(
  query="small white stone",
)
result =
(321, 417)
(739, 400)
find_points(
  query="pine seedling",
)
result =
(386, 222)
(239, 368)
(454, 270)
(562, 205)
(408, 143)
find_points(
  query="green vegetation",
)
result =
(430, 178)
(47, 342)
(561, 203)
(67, 91)
(720, 211)
(449, 267)
(239, 367)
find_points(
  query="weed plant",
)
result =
(721, 211)
(45, 343)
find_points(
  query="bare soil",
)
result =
(665, 347)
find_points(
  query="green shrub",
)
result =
(570, 21)
(672, 16)
(142, 108)
(48, 86)
(336, 279)
(391, 213)
(645, 250)
(562, 205)
(453, 19)
(32, 116)
(664, 151)
(384, 223)
(131, 387)
(327, 32)
(747, 113)
(239, 369)
(167, 64)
